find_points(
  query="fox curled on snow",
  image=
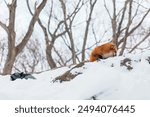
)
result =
(103, 51)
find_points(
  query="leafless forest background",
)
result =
(70, 29)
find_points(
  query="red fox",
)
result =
(103, 51)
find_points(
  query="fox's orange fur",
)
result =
(103, 51)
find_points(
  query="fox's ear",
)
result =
(112, 46)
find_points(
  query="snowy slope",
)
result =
(105, 79)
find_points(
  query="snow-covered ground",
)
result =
(104, 80)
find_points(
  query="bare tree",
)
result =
(68, 22)
(68, 28)
(49, 45)
(14, 50)
(121, 32)
(92, 4)
(57, 33)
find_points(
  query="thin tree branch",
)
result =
(139, 43)
(31, 26)
(107, 9)
(4, 26)
(134, 28)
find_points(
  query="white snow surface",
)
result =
(105, 79)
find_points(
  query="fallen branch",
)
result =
(67, 76)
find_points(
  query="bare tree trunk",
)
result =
(49, 47)
(9, 62)
(11, 39)
(68, 29)
(92, 4)
(13, 50)
(72, 47)
(127, 28)
(114, 22)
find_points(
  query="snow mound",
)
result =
(118, 78)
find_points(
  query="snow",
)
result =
(105, 80)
